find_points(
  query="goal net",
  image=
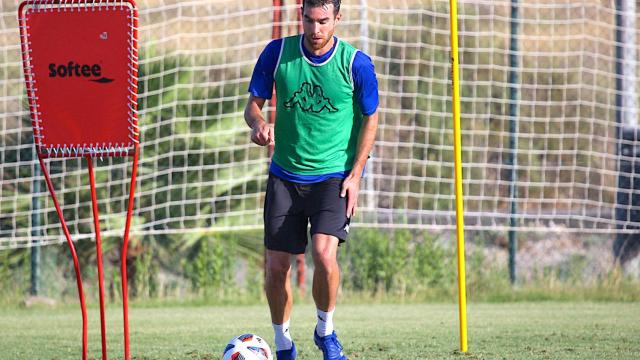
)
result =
(199, 172)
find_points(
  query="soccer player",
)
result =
(326, 121)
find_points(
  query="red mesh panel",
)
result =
(82, 73)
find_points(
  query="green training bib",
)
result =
(317, 118)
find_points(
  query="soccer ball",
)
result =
(247, 347)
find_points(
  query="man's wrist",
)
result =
(356, 172)
(255, 123)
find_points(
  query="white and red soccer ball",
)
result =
(247, 347)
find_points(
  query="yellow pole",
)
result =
(457, 148)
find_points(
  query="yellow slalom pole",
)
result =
(457, 148)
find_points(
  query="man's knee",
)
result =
(324, 252)
(278, 266)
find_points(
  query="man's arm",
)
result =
(351, 185)
(261, 132)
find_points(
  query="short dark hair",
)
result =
(317, 3)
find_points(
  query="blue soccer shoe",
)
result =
(287, 354)
(330, 346)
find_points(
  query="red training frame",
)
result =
(49, 34)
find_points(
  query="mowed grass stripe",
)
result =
(544, 330)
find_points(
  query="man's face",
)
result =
(318, 24)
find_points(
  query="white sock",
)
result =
(283, 337)
(324, 326)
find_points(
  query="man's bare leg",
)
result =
(279, 295)
(326, 279)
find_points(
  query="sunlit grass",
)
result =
(545, 330)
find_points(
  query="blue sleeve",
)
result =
(261, 84)
(365, 83)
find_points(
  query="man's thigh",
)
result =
(285, 224)
(327, 211)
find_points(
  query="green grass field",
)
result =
(544, 330)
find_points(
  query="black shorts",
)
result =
(289, 208)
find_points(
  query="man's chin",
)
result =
(319, 45)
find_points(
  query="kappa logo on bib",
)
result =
(310, 98)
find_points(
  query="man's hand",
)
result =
(262, 133)
(350, 189)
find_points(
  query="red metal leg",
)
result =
(300, 269)
(300, 275)
(96, 224)
(125, 244)
(299, 15)
(276, 32)
(72, 248)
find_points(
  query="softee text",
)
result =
(74, 69)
